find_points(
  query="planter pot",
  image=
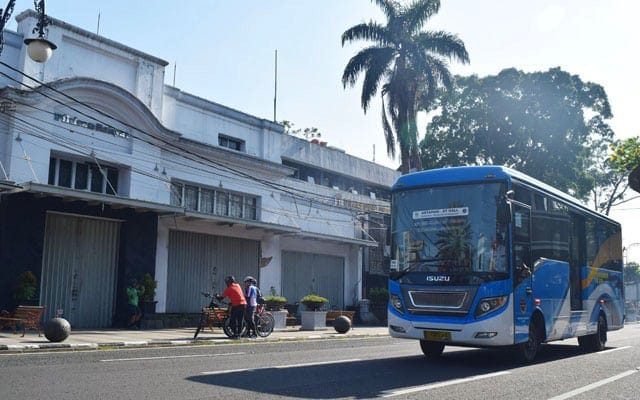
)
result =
(314, 320)
(280, 318)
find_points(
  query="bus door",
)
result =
(523, 296)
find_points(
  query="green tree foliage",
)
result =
(610, 182)
(546, 124)
(408, 64)
(632, 272)
(625, 155)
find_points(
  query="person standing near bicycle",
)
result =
(238, 304)
(251, 295)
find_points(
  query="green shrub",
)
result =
(379, 295)
(26, 288)
(149, 285)
(313, 298)
(275, 299)
(313, 302)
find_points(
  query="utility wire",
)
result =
(182, 149)
(72, 146)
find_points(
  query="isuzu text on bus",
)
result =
(486, 256)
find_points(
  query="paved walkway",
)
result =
(108, 338)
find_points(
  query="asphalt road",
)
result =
(326, 369)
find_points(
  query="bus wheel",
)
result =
(431, 349)
(528, 350)
(598, 340)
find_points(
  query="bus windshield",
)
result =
(450, 235)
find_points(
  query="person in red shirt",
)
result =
(238, 304)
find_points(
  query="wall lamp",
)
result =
(39, 49)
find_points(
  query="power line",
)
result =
(199, 158)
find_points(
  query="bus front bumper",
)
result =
(494, 331)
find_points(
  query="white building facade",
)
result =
(108, 173)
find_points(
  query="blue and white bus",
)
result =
(486, 256)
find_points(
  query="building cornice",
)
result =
(93, 36)
(213, 107)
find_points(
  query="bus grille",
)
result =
(441, 302)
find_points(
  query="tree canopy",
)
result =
(626, 154)
(546, 124)
(407, 64)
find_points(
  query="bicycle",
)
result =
(213, 315)
(262, 319)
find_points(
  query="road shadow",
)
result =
(375, 378)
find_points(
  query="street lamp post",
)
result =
(39, 49)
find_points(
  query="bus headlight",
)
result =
(396, 303)
(485, 306)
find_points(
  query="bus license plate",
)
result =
(439, 336)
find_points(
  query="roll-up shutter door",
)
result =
(79, 269)
(199, 262)
(306, 272)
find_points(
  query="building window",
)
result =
(191, 197)
(230, 143)
(214, 201)
(207, 200)
(222, 203)
(176, 193)
(83, 176)
(236, 206)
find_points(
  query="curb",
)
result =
(15, 348)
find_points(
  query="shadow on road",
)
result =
(374, 378)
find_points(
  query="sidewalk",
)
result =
(109, 338)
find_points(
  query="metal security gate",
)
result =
(306, 272)
(79, 269)
(198, 262)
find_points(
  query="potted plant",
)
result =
(26, 289)
(273, 301)
(313, 302)
(314, 318)
(147, 297)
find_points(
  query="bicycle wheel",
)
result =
(226, 327)
(264, 324)
(200, 325)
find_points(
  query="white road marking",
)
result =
(391, 393)
(170, 357)
(612, 350)
(227, 371)
(593, 385)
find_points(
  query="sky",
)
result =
(224, 51)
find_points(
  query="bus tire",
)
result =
(431, 349)
(527, 351)
(598, 340)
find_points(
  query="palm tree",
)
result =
(410, 63)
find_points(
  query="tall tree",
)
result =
(610, 182)
(410, 63)
(547, 124)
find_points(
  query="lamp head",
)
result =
(40, 49)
